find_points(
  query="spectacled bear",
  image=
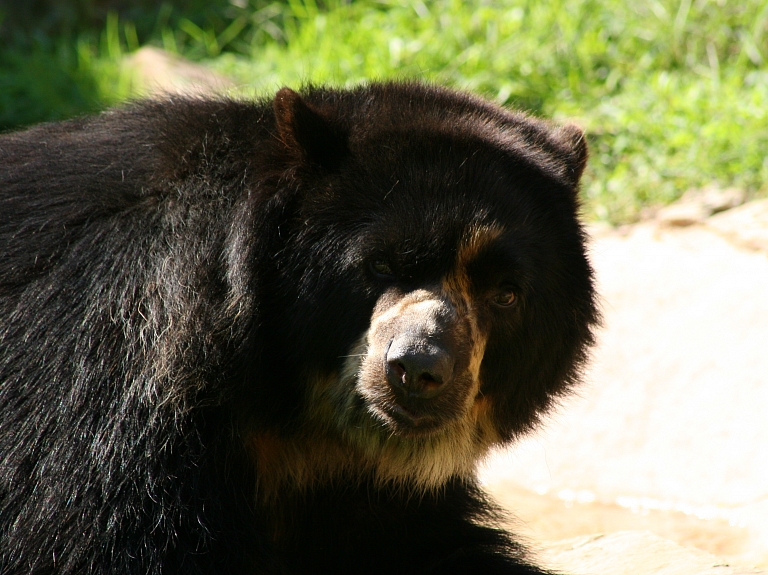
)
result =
(275, 337)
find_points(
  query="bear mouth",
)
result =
(408, 422)
(408, 417)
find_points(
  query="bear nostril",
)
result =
(418, 369)
(399, 371)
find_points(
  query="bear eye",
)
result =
(505, 298)
(381, 268)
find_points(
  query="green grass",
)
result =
(673, 94)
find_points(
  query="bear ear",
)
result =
(307, 133)
(573, 144)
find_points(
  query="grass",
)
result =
(673, 93)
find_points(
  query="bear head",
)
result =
(430, 274)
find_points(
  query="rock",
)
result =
(746, 225)
(632, 553)
(159, 72)
(697, 205)
(673, 415)
(568, 513)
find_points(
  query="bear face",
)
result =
(450, 292)
(276, 337)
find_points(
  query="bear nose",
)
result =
(418, 368)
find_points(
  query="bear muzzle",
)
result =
(417, 375)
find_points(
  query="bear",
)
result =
(276, 336)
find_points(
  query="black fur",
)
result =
(176, 276)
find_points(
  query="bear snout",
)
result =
(417, 368)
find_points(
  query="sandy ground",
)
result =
(670, 431)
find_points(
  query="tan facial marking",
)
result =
(420, 307)
(474, 241)
(415, 302)
(457, 285)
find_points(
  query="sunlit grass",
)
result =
(673, 93)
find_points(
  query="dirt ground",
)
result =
(670, 432)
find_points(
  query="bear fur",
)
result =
(275, 337)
